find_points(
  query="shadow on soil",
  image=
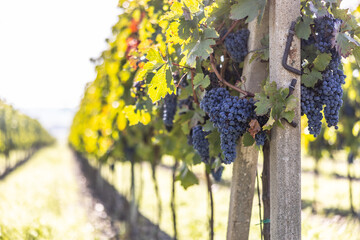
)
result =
(116, 205)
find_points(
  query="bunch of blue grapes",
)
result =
(331, 92)
(170, 104)
(236, 44)
(324, 29)
(230, 115)
(217, 173)
(261, 137)
(312, 106)
(200, 143)
(327, 94)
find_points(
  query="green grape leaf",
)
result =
(309, 79)
(210, 33)
(291, 103)
(278, 101)
(289, 116)
(262, 105)
(208, 126)
(247, 8)
(186, 28)
(160, 85)
(198, 49)
(356, 53)
(344, 44)
(214, 143)
(302, 28)
(322, 61)
(186, 92)
(186, 177)
(248, 140)
(198, 116)
(200, 80)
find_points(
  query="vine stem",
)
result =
(213, 65)
(181, 79)
(211, 220)
(192, 85)
(220, 41)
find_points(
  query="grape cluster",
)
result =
(236, 44)
(230, 115)
(170, 104)
(327, 92)
(200, 143)
(324, 29)
(260, 138)
(331, 91)
(217, 173)
(312, 107)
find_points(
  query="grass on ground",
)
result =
(41, 200)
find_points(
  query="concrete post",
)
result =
(285, 166)
(245, 165)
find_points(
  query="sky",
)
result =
(45, 47)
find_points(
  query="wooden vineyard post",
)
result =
(285, 157)
(245, 164)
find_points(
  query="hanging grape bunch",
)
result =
(236, 44)
(170, 105)
(328, 90)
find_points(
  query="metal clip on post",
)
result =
(287, 50)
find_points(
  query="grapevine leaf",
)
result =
(309, 79)
(200, 80)
(246, 8)
(155, 61)
(322, 61)
(159, 87)
(200, 48)
(356, 54)
(208, 126)
(348, 19)
(214, 142)
(344, 44)
(193, 5)
(153, 55)
(291, 103)
(248, 140)
(186, 177)
(198, 117)
(303, 29)
(210, 33)
(186, 92)
(176, 12)
(269, 123)
(262, 104)
(289, 116)
(135, 116)
(186, 28)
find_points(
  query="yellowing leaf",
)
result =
(193, 5)
(145, 117)
(131, 115)
(158, 87)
